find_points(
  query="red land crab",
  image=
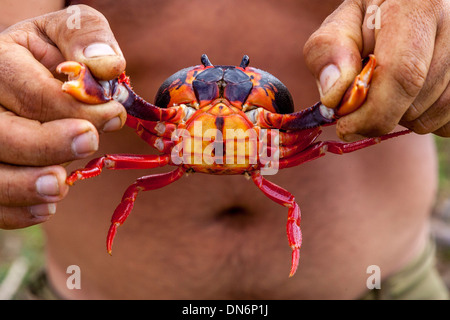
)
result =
(202, 108)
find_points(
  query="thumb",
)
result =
(83, 34)
(332, 53)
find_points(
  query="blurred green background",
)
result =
(22, 251)
(441, 217)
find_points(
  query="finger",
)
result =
(28, 195)
(436, 83)
(332, 53)
(27, 186)
(22, 217)
(443, 131)
(28, 142)
(435, 117)
(404, 55)
(29, 89)
(90, 41)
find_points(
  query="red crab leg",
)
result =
(288, 143)
(85, 88)
(283, 197)
(146, 183)
(318, 149)
(318, 114)
(162, 144)
(297, 137)
(118, 161)
(161, 129)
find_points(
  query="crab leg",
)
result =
(85, 88)
(303, 137)
(159, 128)
(286, 199)
(287, 143)
(318, 149)
(146, 183)
(319, 114)
(283, 197)
(118, 161)
(161, 144)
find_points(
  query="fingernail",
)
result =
(41, 210)
(98, 50)
(112, 125)
(47, 185)
(85, 144)
(328, 77)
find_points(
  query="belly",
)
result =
(220, 237)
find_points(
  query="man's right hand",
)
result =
(40, 126)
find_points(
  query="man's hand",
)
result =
(411, 41)
(40, 126)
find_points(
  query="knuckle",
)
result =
(325, 36)
(435, 117)
(443, 131)
(321, 38)
(6, 196)
(11, 186)
(16, 218)
(422, 125)
(91, 21)
(410, 74)
(31, 102)
(44, 152)
(414, 111)
(7, 221)
(50, 147)
(91, 14)
(311, 43)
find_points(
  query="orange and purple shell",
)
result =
(243, 86)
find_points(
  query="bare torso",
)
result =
(218, 236)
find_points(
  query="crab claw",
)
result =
(111, 234)
(356, 94)
(81, 84)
